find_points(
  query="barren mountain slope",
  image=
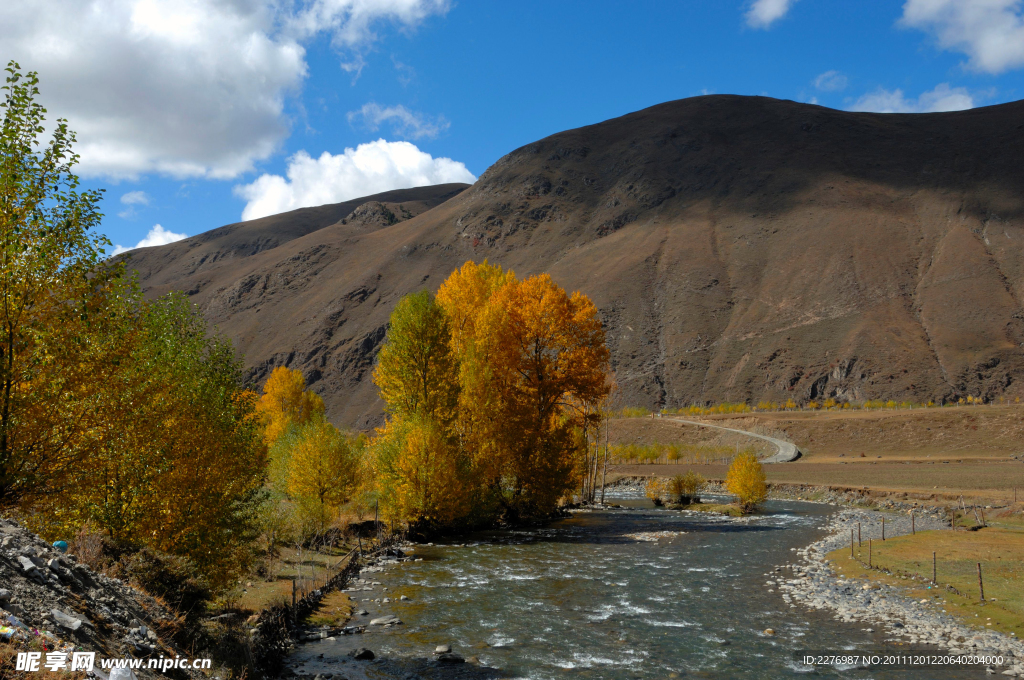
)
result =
(738, 248)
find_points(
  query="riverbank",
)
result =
(813, 582)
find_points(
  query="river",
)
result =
(637, 592)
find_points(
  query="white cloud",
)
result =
(990, 32)
(157, 236)
(368, 169)
(186, 88)
(942, 98)
(404, 122)
(135, 198)
(831, 81)
(764, 13)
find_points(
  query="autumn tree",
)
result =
(547, 368)
(490, 388)
(746, 480)
(53, 298)
(417, 371)
(323, 464)
(177, 462)
(286, 402)
(421, 474)
(419, 465)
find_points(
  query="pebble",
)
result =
(815, 585)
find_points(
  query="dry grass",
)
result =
(334, 610)
(991, 482)
(999, 550)
(969, 432)
(301, 565)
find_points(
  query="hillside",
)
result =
(738, 248)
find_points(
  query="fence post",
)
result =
(883, 528)
(293, 592)
(851, 543)
(913, 527)
(981, 586)
(934, 580)
(869, 553)
(859, 542)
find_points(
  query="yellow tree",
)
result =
(322, 468)
(417, 371)
(421, 474)
(464, 296)
(746, 480)
(285, 402)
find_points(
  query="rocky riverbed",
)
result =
(812, 582)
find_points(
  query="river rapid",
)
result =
(635, 592)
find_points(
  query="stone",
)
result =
(26, 563)
(65, 621)
(769, 631)
(386, 620)
(5, 596)
(442, 649)
(362, 654)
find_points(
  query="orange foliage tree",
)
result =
(520, 367)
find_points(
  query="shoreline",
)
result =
(813, 583)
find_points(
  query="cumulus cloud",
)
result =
(368, 169)
(831, 81)
(157, 236)
(942, 98)
(764, 13)
(403, 122)
(989, 32)
(185, 88)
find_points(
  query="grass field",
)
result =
(1000, 550)
(306, 567)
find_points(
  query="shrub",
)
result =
(686, 488)
(655, 490)
(747, 481)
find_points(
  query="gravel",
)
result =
(812, 582)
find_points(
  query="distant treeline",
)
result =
(810, 405)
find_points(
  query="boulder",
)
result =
(362, 654)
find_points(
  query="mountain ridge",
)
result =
(738, 248)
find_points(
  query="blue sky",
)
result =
(194, 113)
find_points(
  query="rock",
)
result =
(450, 657)
(65, 621)
(442, 649)
(26, 563)
(473, 660)
(769, 631)
(5, 596)
(362, 612)
(362, 654)
(404, 597)
(386, 620)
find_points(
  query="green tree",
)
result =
(53, 299)
(417, 371)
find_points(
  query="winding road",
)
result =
(787, 451)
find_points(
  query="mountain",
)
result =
(739, 248)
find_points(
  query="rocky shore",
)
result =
(812, 582)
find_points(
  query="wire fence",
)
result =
(975, 577)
